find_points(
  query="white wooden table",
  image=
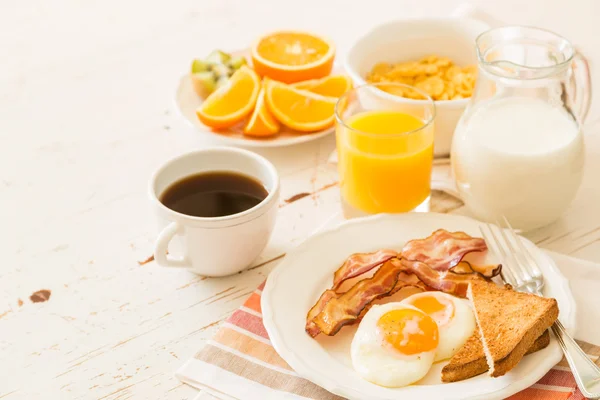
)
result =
(86, 114)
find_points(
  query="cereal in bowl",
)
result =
(438, 76)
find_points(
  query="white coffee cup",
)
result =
(216, 246)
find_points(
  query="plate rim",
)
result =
(306, 372)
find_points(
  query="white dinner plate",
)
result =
(294, 286)
(187, 101)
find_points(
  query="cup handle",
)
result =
(162, 244)
(583, 86)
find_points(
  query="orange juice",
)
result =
(384, 161)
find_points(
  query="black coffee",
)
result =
(214, 194)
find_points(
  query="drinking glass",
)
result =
(385, 149)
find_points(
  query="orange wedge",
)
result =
(261, 122)
(299, 109)
(333, 86)
(290, 56)
(232, 102)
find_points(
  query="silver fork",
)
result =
(520, 270)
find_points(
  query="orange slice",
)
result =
(333, 86)
(299, 109)
(232, 102)
(290, 56)
(261, 123)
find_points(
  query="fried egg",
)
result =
(453, 316)
(395, 345)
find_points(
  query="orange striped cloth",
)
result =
(240, 363)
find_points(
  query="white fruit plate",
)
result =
(187, 101)
(294, 286)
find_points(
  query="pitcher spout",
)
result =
(524, 53)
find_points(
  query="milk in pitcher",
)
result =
(518, 157)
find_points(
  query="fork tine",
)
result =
(587, 374)
(519, 265)
(506, 272)
(534, 270)
(509, 259)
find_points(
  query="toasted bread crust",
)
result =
(503, 366)
(470, 360)
(509, 322)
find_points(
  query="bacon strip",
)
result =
(311, 328)
(407, 279)
(359, 263)
(355, 265)
(338, 310)
(442, 250)
(429, 264)
(463, 267)
(443, 281)
(346, 308)
(403, 281)
(487, 271)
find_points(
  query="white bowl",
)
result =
(412, 39)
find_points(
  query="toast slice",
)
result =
(509, 322)
(470, 360)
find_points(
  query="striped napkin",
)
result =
(240, 363)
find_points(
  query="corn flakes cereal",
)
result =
(419, 78)
(405, 70)
(438, 76)
(434, 86)
(381, 69)
(443, 62)
(452, 71)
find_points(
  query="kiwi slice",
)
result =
(218, 57)
(215, 70)
(200, 66)
(221, 70)
(207, 79)
(222, 81)
(236, 62)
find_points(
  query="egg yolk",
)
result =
(441, 312)
(408, 331)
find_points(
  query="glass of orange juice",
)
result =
(385, 149)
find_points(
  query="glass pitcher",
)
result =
(518, 148)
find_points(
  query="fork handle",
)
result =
(586, 373)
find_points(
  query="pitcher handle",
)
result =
(583, 86)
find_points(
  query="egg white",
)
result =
(380, 365)
(457, 330)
